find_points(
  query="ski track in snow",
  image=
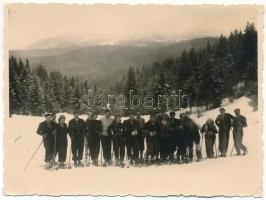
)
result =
(225, 176)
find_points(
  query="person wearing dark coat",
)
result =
(46, 130)
(191, 136)
(76, 128)
(117, 131)
(223, 122)
(164, 135)
(131, 133)
(173, 123)
(152, 140)
(61, 140)
(87, 135)
(180, 143)
(94, 129)
(209, 130)
(140, 135)
(239, 122)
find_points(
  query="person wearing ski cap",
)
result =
(94, 130)
(61, 140)
(131, 132)
(152, 140)
(117, 131)
(173, 125)
(180, 143)
(45, 129)
(53, 121)
(209, 130)
(224, 122)
(87, 134)
(164, 134)
(76, 127)
(105, 137)
(239, 122)
(191, 137)
(140, 120)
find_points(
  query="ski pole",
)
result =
(33, 156)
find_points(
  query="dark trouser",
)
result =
(189, 149)
(172, 146)
(94, 146)
(119, 147)
(209, 143)
(77, 147)
(61, 148)
(223, 141)
(152, 147)
(132, 148)
(164, 148)
(141, 145)
(106, 147)
(238, 140)
(49, 147)
(181, 150)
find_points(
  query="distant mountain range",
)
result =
(106, 63)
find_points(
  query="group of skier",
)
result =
(163, 139)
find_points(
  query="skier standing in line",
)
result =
(94, 129)
(141, 137)
(152, 141)
(76, 128)
(87, 135)
(117, 131)
(105, 138)
(209, 130)
(164, 134)
(224, 122)
(45, 129)
(239, 122)
(61, 140)
(131, 132)
(173, 123)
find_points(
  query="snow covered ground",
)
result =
(224, 176)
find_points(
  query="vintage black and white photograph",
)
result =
(133, 100)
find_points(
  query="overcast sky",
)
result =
(28, 24)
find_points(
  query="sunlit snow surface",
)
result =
(227, 176)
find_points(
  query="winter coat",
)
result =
(131, 127)
(209, 129)
(224, 122)
(76, 127)
(173, 123)
(61, 131)
(151, 129)
(239, 122)
(95, 127)
(46, 129)
(116, 130)
(164, 128)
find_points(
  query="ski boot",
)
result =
(105, 164)
(245, 152)
(117, 163)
